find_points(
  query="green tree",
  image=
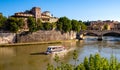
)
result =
(86, 64)
(97, 61)
(82, 26)
(53, 26)
(87, 23)
(113, 63)
(20, 22)
(2, 21)
(12, 24)
(105, 27)
(91, 62)
(118, 66)
(64, 24)
(105, 64)
(75, 56)
(80, 67)
(47, 26)
(56, 59)
(68, 67)
(50, 67)
(75, 25)
(32, 24)
(39, 25)
(59, 26)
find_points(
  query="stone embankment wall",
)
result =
(42, 36)
(39, 36)
(7, 38)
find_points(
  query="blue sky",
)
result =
(74, 9)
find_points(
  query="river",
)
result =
(31, 57)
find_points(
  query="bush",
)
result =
(95, 62)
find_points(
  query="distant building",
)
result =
(46, 13)
(117, 26)
(36, 13)
(47, 17)
(99, 25)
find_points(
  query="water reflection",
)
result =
(7, 52)
(109, 46)
(38, 53)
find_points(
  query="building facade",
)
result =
(36, 13)
(104, 25)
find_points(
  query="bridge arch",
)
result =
(111, 34)
(91, 34)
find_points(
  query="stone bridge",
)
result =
(99, 33)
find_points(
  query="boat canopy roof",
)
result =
(54, 46)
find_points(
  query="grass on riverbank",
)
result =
(34, 43)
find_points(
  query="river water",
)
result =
(31, 57)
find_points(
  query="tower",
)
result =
(36, 11)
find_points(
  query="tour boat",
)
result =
(55, 49)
